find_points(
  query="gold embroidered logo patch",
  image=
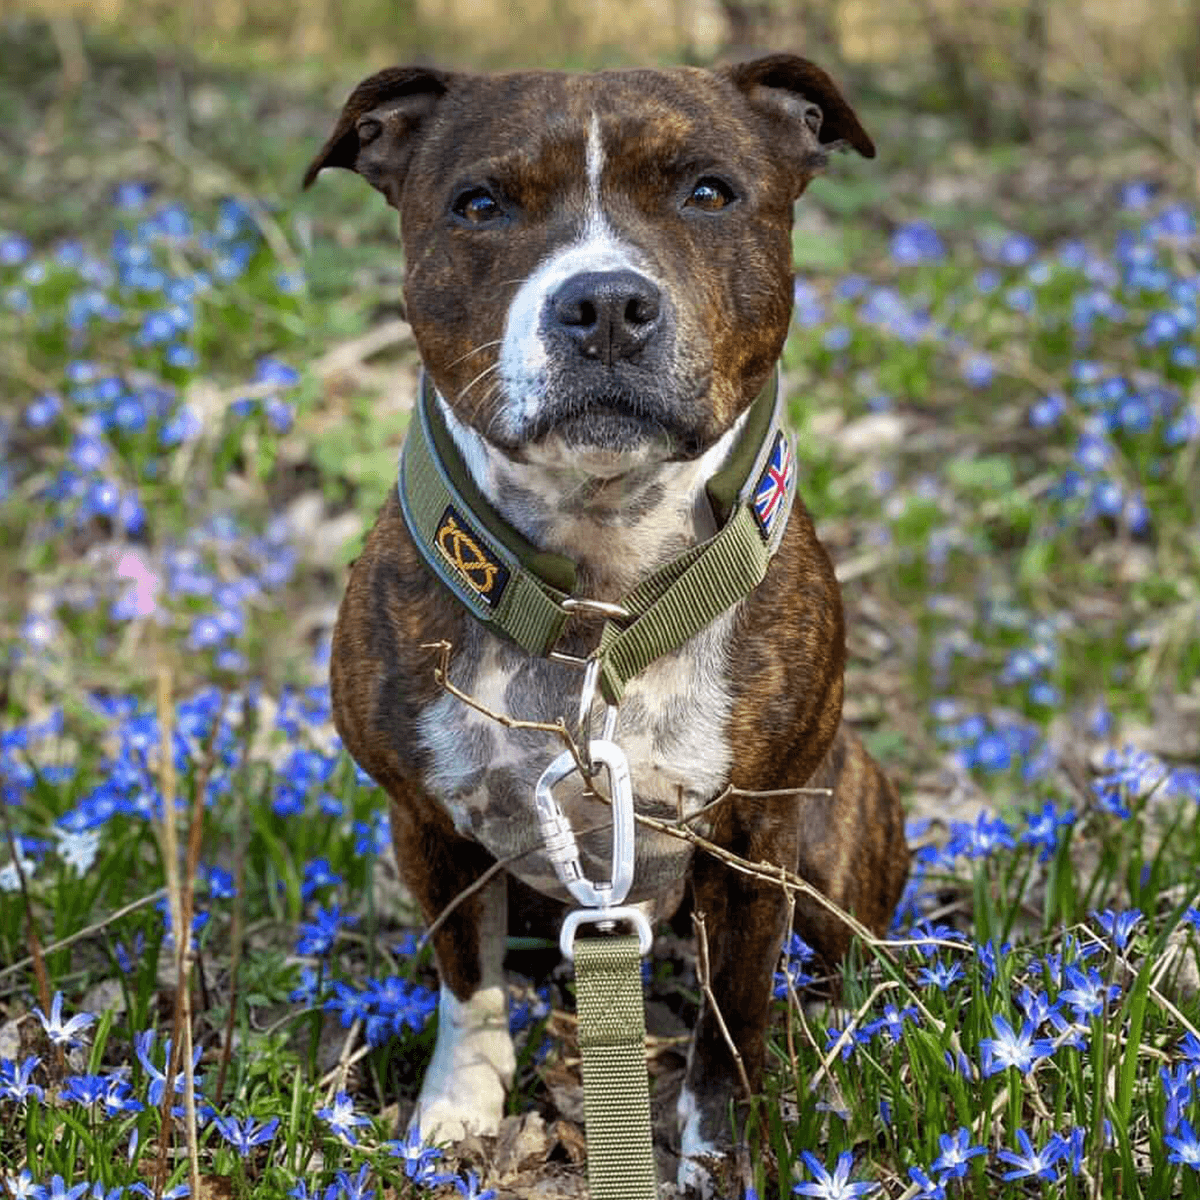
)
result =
(461, 548)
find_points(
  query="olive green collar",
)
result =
(526, 594)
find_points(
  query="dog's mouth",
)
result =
(617, 423)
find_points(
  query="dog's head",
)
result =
(599, 265)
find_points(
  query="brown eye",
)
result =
(711, 194)
(477, 206)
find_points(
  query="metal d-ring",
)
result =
(605, 917)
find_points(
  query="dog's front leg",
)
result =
(473, 1060)
(744, 922)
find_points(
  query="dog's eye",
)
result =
(711, 194)
(477, 206)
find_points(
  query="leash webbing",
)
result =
(616, 1094)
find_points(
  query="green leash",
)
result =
(616, 1094)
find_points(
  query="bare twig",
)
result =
(237, 932)
(781, 876)
(335, 1080)
(87, 930)
(886, 986)
(345, 1061)
(170, 851)
(479, 884)
(704, 975)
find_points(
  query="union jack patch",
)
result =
(771, 492)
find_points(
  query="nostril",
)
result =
(640, 311)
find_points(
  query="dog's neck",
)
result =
(616, 530)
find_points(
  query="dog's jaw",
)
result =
(616, 527)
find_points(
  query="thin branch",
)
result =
(704, 975)
(170, 852)
(786, 879)
(87, 930)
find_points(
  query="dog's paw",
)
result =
(695, 1177)
(471, 1071)
(700, 1158)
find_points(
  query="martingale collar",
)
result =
(525, 593)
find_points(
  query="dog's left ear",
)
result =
(802, 99)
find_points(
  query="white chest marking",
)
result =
(672, 726)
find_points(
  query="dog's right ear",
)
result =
(379, 125)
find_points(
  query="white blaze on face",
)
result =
(523, 357)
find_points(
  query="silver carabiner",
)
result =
(561, 847)
(587, 697)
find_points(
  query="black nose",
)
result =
(609, 315)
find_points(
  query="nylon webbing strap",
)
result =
(484, 573)
(616, 1094)
(670, 607)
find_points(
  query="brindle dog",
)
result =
(599, 281)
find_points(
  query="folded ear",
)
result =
(805, 101)
(380, 125)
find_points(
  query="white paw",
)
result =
(471, 1070)
(694, 1175)
(696, 1154)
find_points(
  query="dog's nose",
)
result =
(609, 315)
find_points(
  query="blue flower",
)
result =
(1011, 1049)
(1136, 194)
(60, 1191)
(929, 1189)
(1184, 1147)
(63, 1033)
(131, 195)
(469, 1188)
(14, 250)
(917, 242)
(940, 975)
(244, 1135)
(837, 338)
(318, 874)
(1034, 1164)
(43, 410)
(318, 935)
(419, 1159)
(978, 370)
(835, 1186)
(956, 1153)
(351, 1187)
(797, 952)
(342, 1118)
(143, 1043)
(22, 1187)
(892, 1021)
(15, 1080)
(1118, 926)
(1177, 1090)
(276, 372)
(1088, 994)
(1044, 826)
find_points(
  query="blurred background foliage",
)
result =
(993, 62)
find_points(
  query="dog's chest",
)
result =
(672, 725)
